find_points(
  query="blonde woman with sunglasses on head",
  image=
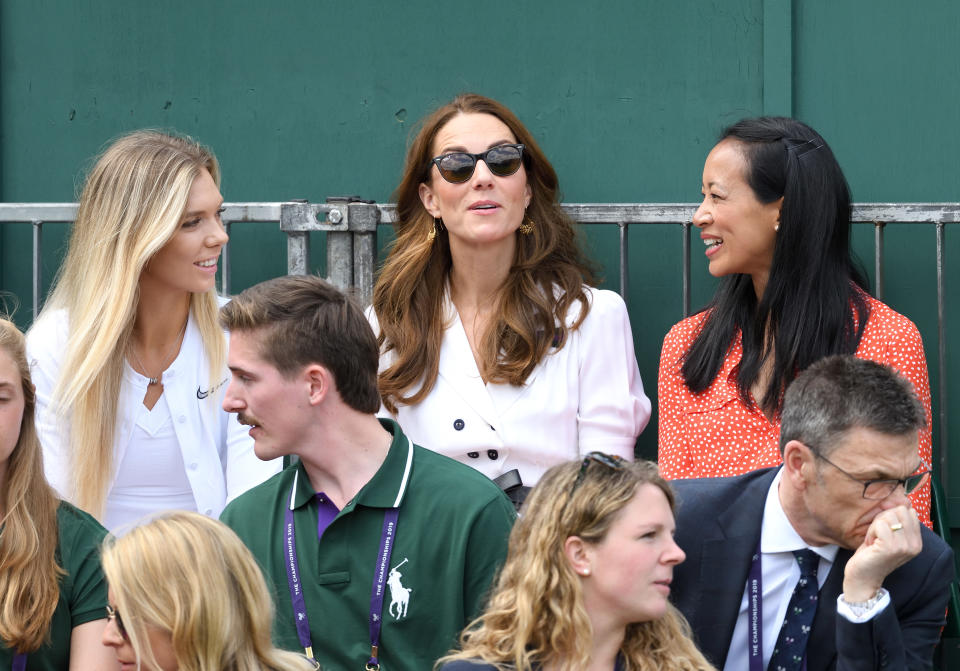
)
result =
(496, 352)
(187, 595)
(129, 358)
(53, 589)
(586, 583)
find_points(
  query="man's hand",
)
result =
(892, 540)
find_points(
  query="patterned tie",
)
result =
(792, 641)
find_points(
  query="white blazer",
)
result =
(217, 451)
(585, 396)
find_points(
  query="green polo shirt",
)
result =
(83, 591)
(451, 538)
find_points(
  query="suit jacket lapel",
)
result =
(727, 552)
(459, 369)
(822, 644)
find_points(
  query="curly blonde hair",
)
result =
(536, 615)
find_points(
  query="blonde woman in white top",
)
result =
(129, 359)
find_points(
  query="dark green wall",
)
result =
(308, 99)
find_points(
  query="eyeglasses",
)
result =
(114, 616)
(609, 460)
(877, 490)
(458, 166)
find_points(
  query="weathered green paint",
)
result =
(314, 98)
(778, 57)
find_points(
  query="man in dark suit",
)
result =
(849, 431)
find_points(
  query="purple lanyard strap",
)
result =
(755, 605)
(387, 536)
(379, 580)
(293, 576)
(19, 662)
(755, 597)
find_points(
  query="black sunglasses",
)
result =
(609, 460)
(112, 614)
(458, 166)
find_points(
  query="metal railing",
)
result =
(351, 227)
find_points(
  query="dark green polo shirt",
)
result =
(451, 538)
(83, 591)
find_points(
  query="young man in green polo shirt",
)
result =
(379, 551)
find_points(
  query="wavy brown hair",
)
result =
(536, 616)
(545, 280)
(29, 574)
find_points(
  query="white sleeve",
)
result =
(385, 358)
(858, 614)
(613, 409)
(46, 343)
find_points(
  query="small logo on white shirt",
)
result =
(203, 393)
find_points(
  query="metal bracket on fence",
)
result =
(351, 227)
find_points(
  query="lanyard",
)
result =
(755, 605)
(19, 662)
(379, 580)
(380, 574)
(755, 608)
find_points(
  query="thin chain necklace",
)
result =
(156, 380)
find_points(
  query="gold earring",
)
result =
(526, 228)
(433, 229)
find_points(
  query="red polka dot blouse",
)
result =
(713, 434)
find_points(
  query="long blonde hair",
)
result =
(130, 208)
(536, 614)
(544, 282)
(191, 576)
(29, 574)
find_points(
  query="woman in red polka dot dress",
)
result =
(775, 219)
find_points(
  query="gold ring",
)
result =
(896, 527)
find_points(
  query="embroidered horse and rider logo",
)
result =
(399, 595)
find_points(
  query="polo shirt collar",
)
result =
(387, 487)
(302, 489)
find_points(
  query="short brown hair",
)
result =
(303, 319)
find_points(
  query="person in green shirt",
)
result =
(379, 551)
(53, 590)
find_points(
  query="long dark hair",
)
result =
(814, 304)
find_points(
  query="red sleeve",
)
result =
(894, 340)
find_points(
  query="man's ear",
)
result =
(798, 463)
(319, 381)
(578, 555)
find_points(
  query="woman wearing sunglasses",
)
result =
(129, 358)
(51, 611)
(187, 595)
(775, 220)
(586, 582)
(495, 350)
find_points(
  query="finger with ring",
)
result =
(896, 526)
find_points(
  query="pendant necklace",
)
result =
(156, 380)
